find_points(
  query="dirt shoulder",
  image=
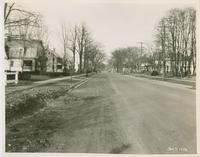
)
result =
(82, 121)
(25, 102)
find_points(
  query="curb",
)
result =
(43, 84)
(172, 80)
(77, 85)
(172, 84)
(57, 79)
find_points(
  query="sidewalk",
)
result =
(172, 80)
(58, 79)
(14, 89)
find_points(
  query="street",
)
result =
(156, 118)
(114, 113)
(135, 116)
(100, 77)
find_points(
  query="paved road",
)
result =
(112, 113)
(158, 117)
(123, 114)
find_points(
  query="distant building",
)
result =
(24, 55)
(54, 61)
(146, 67)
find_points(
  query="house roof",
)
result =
(37, 46)
(54, 53)
(16, 41)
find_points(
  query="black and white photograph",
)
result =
(100, 77)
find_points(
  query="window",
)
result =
(59, 60)
(11, 63)
(28, 63)
(59, 66)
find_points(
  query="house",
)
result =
(23, 55)
(54, 61)
(145, 66)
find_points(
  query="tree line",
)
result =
(78, 40)
(173, 51)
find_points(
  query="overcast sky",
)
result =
(112, 23)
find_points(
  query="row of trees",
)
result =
(78, 40)
(174, 49)
(176, 40)
(23, 23)
(125, 58)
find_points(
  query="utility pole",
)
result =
(163, 49)
(141, 52)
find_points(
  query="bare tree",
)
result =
(94, 56)
(179, 42)
(41, 33)
(73, 43)
(128, 57)
(162, 37)
(192, 57)
(82, 36)
(7, 11)
(64, 36)
(15, 16)
(19, 22)
(87, 51)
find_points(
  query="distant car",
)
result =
(154, 73)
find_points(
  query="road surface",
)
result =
(158, 117)
(123, 114)
(113, 113)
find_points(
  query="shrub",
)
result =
(21, 104)
(24, 76)
(154, 73)
(24, 105)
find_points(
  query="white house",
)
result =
(23, 55)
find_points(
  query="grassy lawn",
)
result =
(23, 102)
(29, 82)
(20, 83)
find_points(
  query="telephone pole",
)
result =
(141, 52)
(163, 49)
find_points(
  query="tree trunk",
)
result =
(74, 60)
(80, 63)
(185, 59)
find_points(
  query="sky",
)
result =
(113, 23)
